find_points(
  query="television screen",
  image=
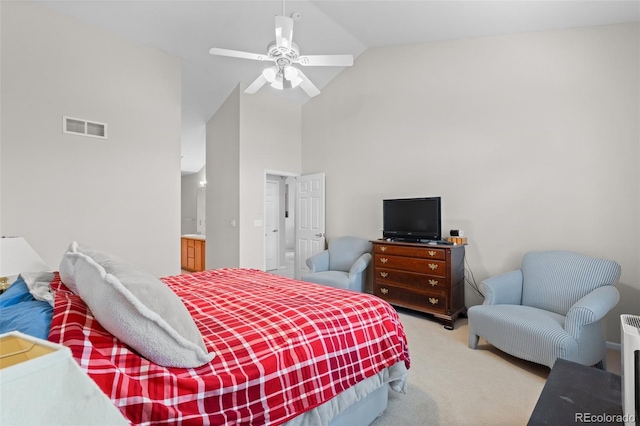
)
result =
(412, 219)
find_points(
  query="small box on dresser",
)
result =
(422, 277)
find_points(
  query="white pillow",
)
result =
(66, 269)
(137, 308)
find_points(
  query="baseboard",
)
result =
(614, 346)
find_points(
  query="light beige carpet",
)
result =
(450, 384)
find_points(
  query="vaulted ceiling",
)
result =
(188, 29)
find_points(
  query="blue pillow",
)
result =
(19, 311)
(16, 293)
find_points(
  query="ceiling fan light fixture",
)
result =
(270, 73)
(278, 82)
(293, 76)
(290, 73)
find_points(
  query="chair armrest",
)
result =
(319, 262)
(360, 265)
(505, 289)
(591, 308)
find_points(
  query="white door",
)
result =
(310, 231)
(272, 217)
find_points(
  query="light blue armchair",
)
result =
(553, 307)
(343, 265)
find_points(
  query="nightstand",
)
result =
(575, 393)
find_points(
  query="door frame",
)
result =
(269, 172)
(272, 222)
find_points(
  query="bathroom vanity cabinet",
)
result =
(193, 253)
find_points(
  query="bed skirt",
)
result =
(360, 404)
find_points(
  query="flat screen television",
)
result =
(412, 219)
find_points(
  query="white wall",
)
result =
(531, 140)
(223, 185)
(121, 195)
(189, 185)
(0, 120)
(270, 141)
(248, 137)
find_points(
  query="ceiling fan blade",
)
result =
(307, 85)
(284, 31)
(238, 54)
(326, 60)
(256, 85)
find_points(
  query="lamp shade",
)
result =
(16, 256)
(43, 385)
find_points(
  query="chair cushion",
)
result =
(335, 279)
(555, 280)
(344, 251)
(525, 332)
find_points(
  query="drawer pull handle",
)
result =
(384, 260)
(433, 282)
(433, 266)
(433, 300)
(384, 274)
(431, 253)
(383, 249)
(384, 290)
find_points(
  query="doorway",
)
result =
(279, 223)
(298, 208)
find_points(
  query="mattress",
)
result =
(283, 348)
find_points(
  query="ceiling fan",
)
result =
(283, 52)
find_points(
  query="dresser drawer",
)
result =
(411, 299)
(411, 264)
(424, 252)
(421, 282)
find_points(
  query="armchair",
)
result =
(550, 308)
(342, 265)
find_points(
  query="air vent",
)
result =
(79, 126)
(631, 320)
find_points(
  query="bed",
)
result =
(283, 352)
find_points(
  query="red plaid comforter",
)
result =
(282, 347)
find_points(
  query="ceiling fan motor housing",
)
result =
(283, 55)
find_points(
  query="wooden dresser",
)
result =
(422, 277)
(193, 254)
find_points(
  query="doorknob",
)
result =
(275, 230)
(320, 235)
